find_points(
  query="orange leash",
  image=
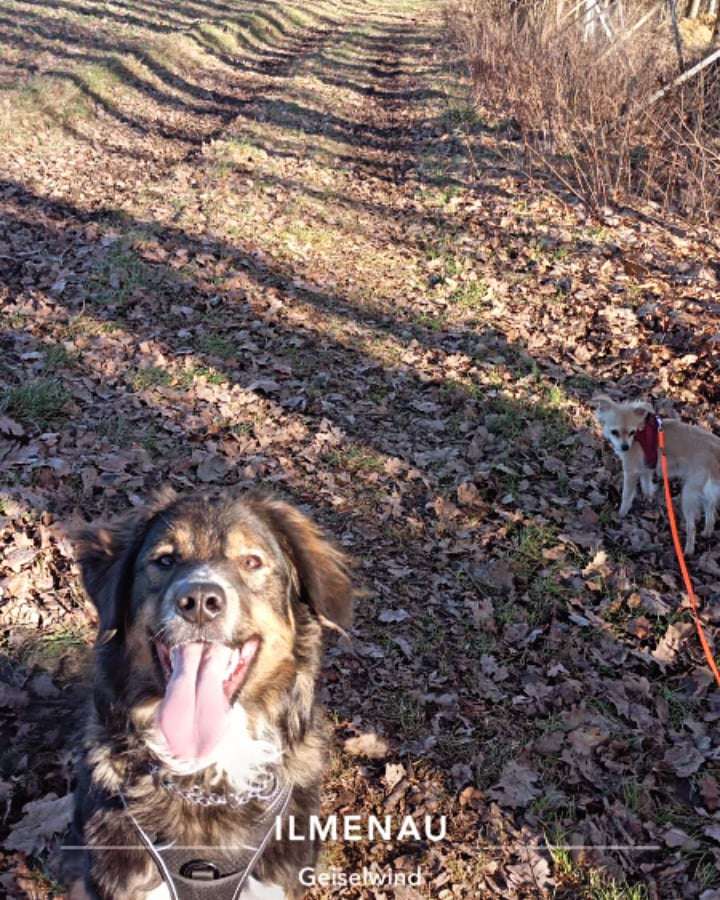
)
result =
(681, 556)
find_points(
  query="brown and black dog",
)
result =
(203, 727)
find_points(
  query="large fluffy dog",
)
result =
(204, 727)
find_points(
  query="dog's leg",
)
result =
(647, 484)
(120, 866)
(78, 892)
(630, 482)
(690, 508)
(254, 890)
(158, 893)
(711, 496)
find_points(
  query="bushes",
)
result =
(581, 104)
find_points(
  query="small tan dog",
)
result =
(693, 456)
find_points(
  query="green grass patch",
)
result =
(59, 642)
(150, 439)
(302, 238)
(185, 379)
(433, 323)
(546, 592)
(527, 556)
(680, 706)
(123, 275)
(217, 345)
(406, 713)
(40, 402)
(150, 377)
(354, 459)
(504, 417)
(586, 883)
(52, 648)
(56, 99)
(462, 114)
(445, 261)
(472, 296)
(602, 887)
(58, 356)
(118, 430)
(510, 417)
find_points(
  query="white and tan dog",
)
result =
(693, 456)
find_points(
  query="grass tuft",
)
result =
(40, 402)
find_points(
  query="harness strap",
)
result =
(200, 873)
(647, 437)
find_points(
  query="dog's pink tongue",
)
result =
(194, 713)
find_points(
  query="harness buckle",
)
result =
(200, 870)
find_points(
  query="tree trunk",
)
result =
(676, 33)
(716, 26)
(591, 19)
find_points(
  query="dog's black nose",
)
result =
(625, 446)
(200, 602)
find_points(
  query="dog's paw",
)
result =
(78, 892)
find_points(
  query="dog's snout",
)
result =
(625, 445)
(201, 602)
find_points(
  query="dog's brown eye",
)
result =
(252, 561)
(615, 432)
(165, 561)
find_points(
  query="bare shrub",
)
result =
(581, 103)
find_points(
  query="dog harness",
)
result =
(208, 873)
(647, 437)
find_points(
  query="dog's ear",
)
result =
(104, 553)
(642, 408)
(323, 579)
(602, 405)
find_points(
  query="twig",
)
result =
(612, 36)
(681, 79)
(621, 40)
(572, 10)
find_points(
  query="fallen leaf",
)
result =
(11, 427)
(41, 821)
(393, 615)
(684, 759)
(516, 787)
(394, 773)
(369, 744)
(212, 469)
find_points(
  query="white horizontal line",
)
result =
(638, 847)
(574, 846)
(157, 847)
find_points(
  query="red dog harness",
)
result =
(647, 437)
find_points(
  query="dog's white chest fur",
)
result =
(240, 755)
(253, 890)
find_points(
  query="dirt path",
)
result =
(259, 253)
